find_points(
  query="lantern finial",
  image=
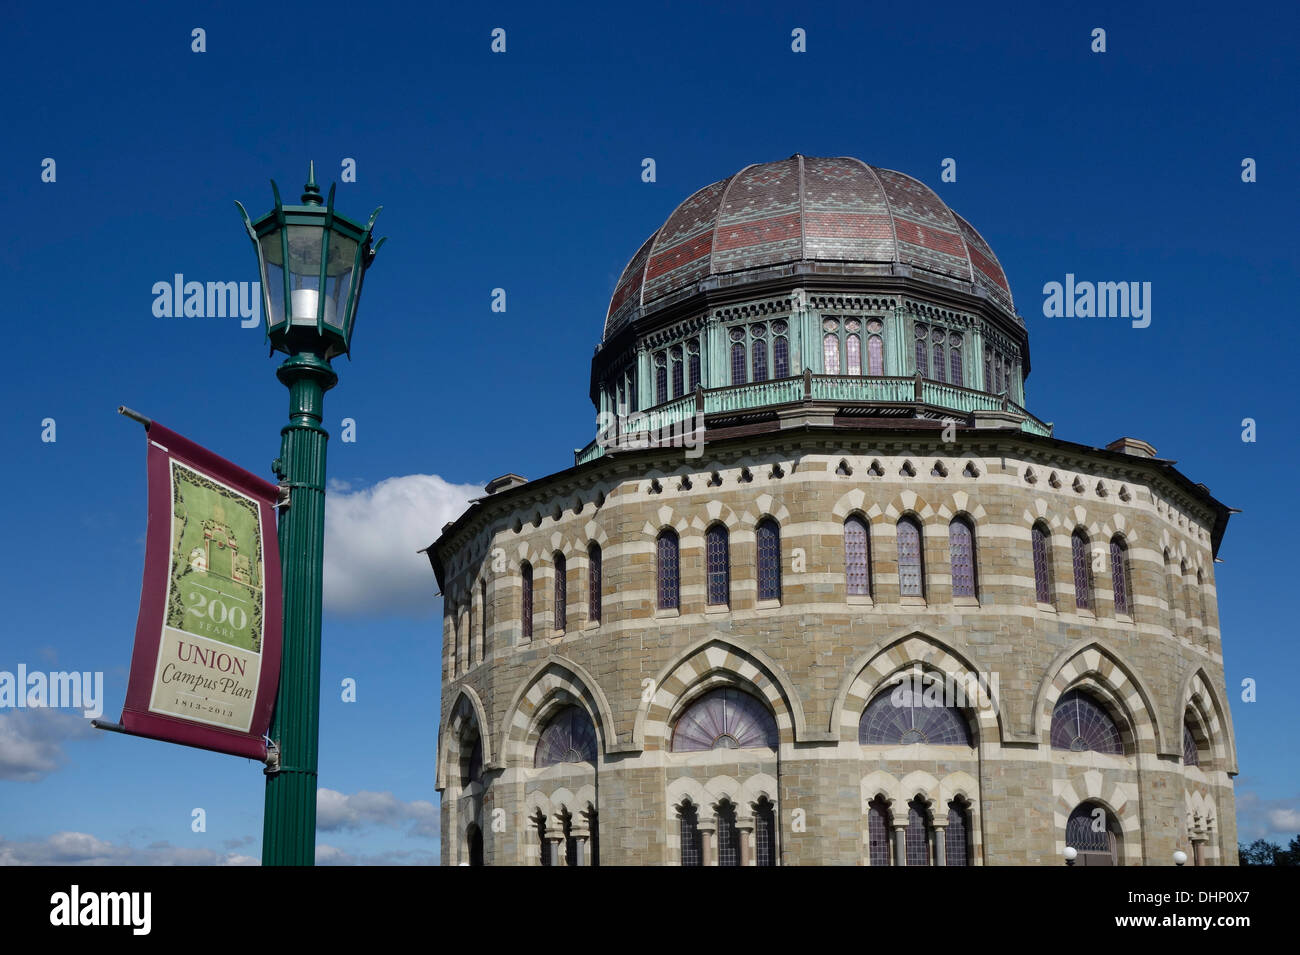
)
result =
(311, 193)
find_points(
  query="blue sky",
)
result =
(522, 171)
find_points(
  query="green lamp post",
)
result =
(312, 261)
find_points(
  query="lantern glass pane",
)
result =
(273, 282)
(304, 273)
(338, 278)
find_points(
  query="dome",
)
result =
(836, 215)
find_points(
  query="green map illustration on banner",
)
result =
(216, 562)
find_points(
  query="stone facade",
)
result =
(818, 655)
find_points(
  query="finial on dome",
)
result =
(310, 192)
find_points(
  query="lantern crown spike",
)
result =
(311, 192)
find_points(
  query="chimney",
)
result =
(504, 482)
(1133, 446)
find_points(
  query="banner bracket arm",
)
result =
(134, 416)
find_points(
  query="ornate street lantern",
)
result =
(312, 261)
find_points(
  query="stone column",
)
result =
(745, 826)
(553, 847)
(898, 345)
(713, 361)
(706, 842)
(973, 358)
(798, 311)
(900, 844)
(644, 380)
(940, 844)
(580, 836)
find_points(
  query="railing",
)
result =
(854, 388)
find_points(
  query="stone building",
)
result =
(824, 591)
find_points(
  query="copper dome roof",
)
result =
(805, 209)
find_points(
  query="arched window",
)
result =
(482, 619)
(961, 549)
(728, 835)
(922, 352)
(853, 352)
(661, 378)
(1082, 570)
(1191, 753)
(1092, 831)
(1187, 598)
(1042, 543)
(457, 659)
(561, 591)
(918, 833)
(769, 559)
(568, 737)
(526, 601)
(831, 354)
(1169, 593)
(911, 564)
(758, 354)
(940, 357)
(693, 365)
(669, 580)
(738, 370)
(724, 718)
(911, 710)
(1119, 574)
(956, 849)
(593, 582)
(675, 356)
(954, 359)
(764, 832)
(718, 558)
(880, 846)
(1200, 597)
(875, 348)
(689, 828)
(857, 556)
(472, 771)
(780, 352)
(1080, 724)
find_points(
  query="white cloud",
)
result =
(336, 811)
(81, 848)
(333, 855)
(31, 741)
(1266, 818)
(372, 539)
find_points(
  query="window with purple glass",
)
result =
(668, 570)
(689, 829)
(857, 556)
(675, 356)
(728, 835)
(693, 365)
(875, 348)
(568, 737)
(718, 560)
(961, 547)
(940, 356)
(954, 359)
(831, 354)
(661, 378)
(900, 715)
(1042, 545)
(780, 351)
(922, 352)
(1191, 753)
(880, 846)
(1082, 570)
(1081, 724)
(769, 559)
(956, 849)
(911, 569)
(724, 718)
(918, 833)
(1119, 573)
(593, 583)
(758, 354)
(561, 590)
(764, 832)
(738, 371)
(526, 600)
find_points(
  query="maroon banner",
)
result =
(206, 664)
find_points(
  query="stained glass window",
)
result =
(878, 841)
(831, 354)
(988, 372)
(593, 582)
(738, 374)
(918, 834)
(954, 358)
(728, 836)
(961, 546)
(561, 591)
(1080, 724)
(716, 541)
(668, 570)
(1191, 754)
(922, 360)
(875, 355)
(676, 354)
(857, 559)
(912, 712)
(759, 353)
(853, 350)
(661, 379)
(911, 575)
(780, 356)
(1042, 541)
(956, 843)
(1119, 573)
(769, 560)
(1082, 570)
(526, 602)
(724, 718)
(690, 835)
(569, 737)
(693, 366)
(764, 832)
(939, 370)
